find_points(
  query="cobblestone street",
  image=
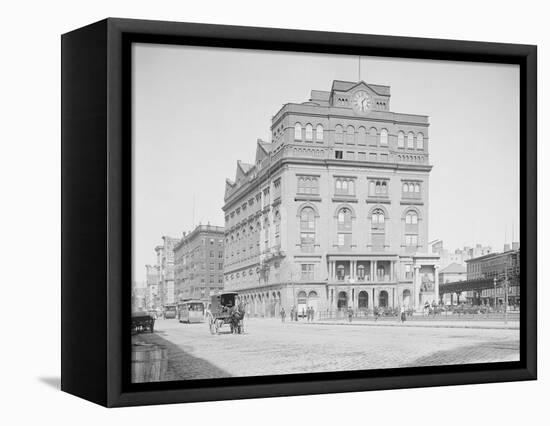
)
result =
(272, 347)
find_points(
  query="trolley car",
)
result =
(191, 311)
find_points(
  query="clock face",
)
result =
(361, 101)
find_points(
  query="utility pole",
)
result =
(495, 292)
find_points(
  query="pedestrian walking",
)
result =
(283, 314)
(296, 315)
(403, 314)
(312, 313)
(292, 313)
(350, 314)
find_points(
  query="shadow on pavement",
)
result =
(170, 362)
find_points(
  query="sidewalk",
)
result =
(473, 324)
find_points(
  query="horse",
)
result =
(237, 315)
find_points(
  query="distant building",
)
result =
(452, 273)
(152, 281)
(460, 256)
(138, 297)
(334, 211)
(502, 267)
(165, 263)
(198, 263)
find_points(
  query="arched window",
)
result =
(361, 136)
(410, 140)
(383, 137)
(309, 132)
(372, 135)
(298, 132)
(350, 135)
(378, 219)
(339, 134)
(411, 218)
(319, 133)
(401, 140)
(344, 228)
(417, 188)
(405, 187)
(420, 141)
(307, 229)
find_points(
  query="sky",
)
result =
(197, 110)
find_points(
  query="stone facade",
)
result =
(165, 264)
(334, 211)
(198, 263)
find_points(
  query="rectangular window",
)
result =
(344, 186)
(307, 271)
(338, 155)
(372, 156)
(362, 156)
(384, 158)
(308, 185)
(350, 155)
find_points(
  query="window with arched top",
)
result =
(309, 132)
(307, 229)
(344, 226)
(411, 218)
(410, 140)
(378, 219)
(420, 141)
(405, 187)
(401, 140)
(361, 136)
(338, 134)
(319, 133)
(350, 135)
(298, 132)
(383, 137)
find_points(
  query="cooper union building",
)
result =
(333, 213)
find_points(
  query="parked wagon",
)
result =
(225, 309)
(142, 322)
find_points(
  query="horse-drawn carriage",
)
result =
(225, 309)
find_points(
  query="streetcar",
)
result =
(170, 311)
(191, 311)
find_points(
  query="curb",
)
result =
(504, 327)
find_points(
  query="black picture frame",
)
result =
(96, 211)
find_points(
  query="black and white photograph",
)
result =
(309, 213)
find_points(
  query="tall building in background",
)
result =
(152, 282)
(198, 263)
(334, 211)
(165, 264)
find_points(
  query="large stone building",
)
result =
(165, 264)
(198, 263)
(334, 211)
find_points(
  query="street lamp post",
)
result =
(495, 292)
